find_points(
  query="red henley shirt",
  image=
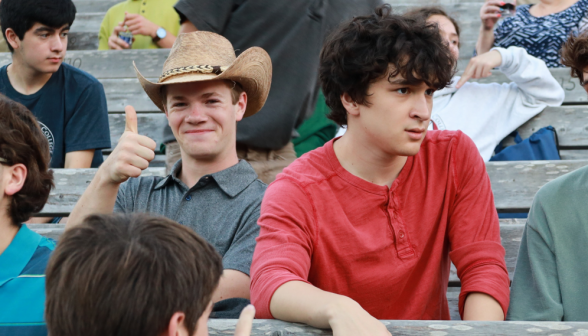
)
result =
(389, 249)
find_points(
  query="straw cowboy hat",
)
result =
(204, 56)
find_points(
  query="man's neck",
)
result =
(194, 169)
(7, 230)
(366, 161)
(24, 79)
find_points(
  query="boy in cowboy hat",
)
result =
(204, 91)
(363, 228)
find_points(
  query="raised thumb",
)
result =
(131, 119)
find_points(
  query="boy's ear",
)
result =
(12, 38)
(241, 106)
(176, 325)
(17, 175)
(349, 104)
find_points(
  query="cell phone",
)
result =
(507, 10)
(127, 37)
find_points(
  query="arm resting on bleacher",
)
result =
(474, 233)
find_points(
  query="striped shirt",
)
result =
(22, 284)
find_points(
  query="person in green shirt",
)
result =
(153, 23)
(551, 274)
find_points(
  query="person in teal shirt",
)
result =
(551, 274)
(25, 183)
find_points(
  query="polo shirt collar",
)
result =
(231, 181)
(18, 254)
(173, 176)
(235, 179)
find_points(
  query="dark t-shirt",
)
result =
(292, 32)
(71, 110)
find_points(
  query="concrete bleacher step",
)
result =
(514, 183)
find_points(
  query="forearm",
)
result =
(297, 301)
(233, 284)
(482, 307)
(187, 27)
(99, 198)
(167, 41)
(485, 40)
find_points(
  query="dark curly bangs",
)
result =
(367, 48)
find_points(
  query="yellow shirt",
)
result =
(160, 12)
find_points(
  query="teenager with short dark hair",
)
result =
(133, 275)
(488, 113)
(549, 282)
(364, 227)
(25, 183)
(69, 104)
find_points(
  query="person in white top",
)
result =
(488, 113)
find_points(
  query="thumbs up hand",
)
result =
(132, 154)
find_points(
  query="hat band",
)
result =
(203, 69)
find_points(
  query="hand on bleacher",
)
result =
(115, 42)
(353, 320)
(490, 13)
(245, 322)
(132, 154)
(480, 66)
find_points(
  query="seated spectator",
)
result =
(488, 113)
(156, 277)
(539, 28)
(25, 183)
(69, 104)
(326, 259)
(549, 282)
(153, 23)
(204, 91)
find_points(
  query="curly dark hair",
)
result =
(22, 141)
(574, 54)
(127, 275)
(424, 13)
(368, 48)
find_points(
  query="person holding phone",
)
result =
(531, 27)
(145, 24)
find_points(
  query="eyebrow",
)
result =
(399, 81)
(44, 29)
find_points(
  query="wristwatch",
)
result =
(159, 34)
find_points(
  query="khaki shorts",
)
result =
(267, 163)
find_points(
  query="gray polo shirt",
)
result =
(222, 207)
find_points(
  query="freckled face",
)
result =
(203, 117)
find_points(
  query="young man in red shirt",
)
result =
(364, 227)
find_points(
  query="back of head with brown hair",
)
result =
(574, 54)
(424, 13)
(22, 141)
(127, 275)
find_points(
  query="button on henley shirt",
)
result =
(388, 249)
(222, 207)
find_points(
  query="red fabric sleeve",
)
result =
(474, 229)
(285, 243)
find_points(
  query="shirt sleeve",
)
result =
(284, 246)
(122, 204)
(207, 15)
(535, 288)
(88, 128)
(240, 254)
(474, 230)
